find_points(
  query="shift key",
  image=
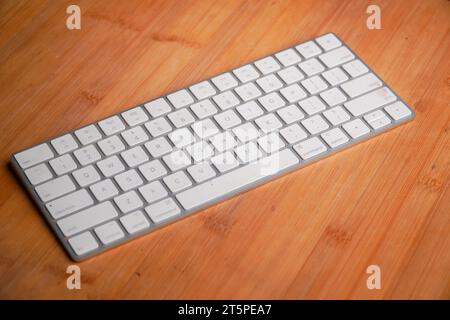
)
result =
(370, 101)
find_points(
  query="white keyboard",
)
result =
(133, 172)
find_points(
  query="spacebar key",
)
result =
(237, 179)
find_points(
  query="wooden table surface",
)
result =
(310, 234)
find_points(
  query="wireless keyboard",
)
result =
(131, 173)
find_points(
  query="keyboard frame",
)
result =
(186, 213)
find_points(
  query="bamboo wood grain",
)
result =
(310, 234)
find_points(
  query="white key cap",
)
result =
(111, 125)
(293, 93)
(157, 107)
(34, 155)
(272, 101)
(248, 152)
(134, 136)
(200, 151)
(202, 90)
(86, 176)
(223, 141)
(269, 83)
(249, 110)
(375, 115)
(111, 145)
(134, 156)
(153, 170)
(235, 180)
(311, 66)
(336, 115)
(180, 99)
(288, 57)
(308, 49)
(87, 218)
(64, 144)
(268, 123)
(104, 189)
(224, 81)
(337, 56)
(356, 128)
(370, 101)
(246, 132)
(88, 134)
(225, 161)
(158, 127)
(226, 100)
(227, 119)
(204, 109)
(248, 91)
(70, 203)
(267, 65)
(361, 85)
(205, 128)
(177, 160)
(334, 137)
(181, 118)
(38, 174)
(128, 180)
(63, 164)
(291, 75)
(177, 181)
(128, 201)
(312, 105)
(87, 155)
(135, 116)
(310, 148)
(162, 210)
(355, 68)
(134, 222)
(328, 41)
(110, 166)
(158, 147)
(246, 73)
(333, 96)
(271, 143)
(201, 172)
(55, 188)
(315, 124)
(153, 191)
(293, 133)
(380, 123)
(109, 232)
(291, 114)
(314, 84)
(181, 137)
(398, 110)
(335, 76)
(83, 243)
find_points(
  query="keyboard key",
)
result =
(87, 155)
(205, 128)
(70, 203)
(111, 145)
(110, 166)
(55, 188)
(314, 84)
(87, 218)
(64, 144)
(246, 132)
(336, 57)
(153, 191)
(128, 201)
(177, 160)
(227, 119)
(248, 91)
(181, 137)
(128, 180)
(135, 116)
(336, 115)
(135, 222)
(288, 57)
(225, 161)
(203, 109)
(63, 164)
(293, 93)
(201, 172)
(310, 148)
(311, 66)
(334, 137)
(293, 133)
(109, 232)
(269, 83)
(157, 107)
(271, 143)
(177, 181)
(272, 101)
(181, 118)
(226, 100)
(34, 155)
(328, 41)
(312, 105)
(333, 96)
(88, 134)
(158, 147)
(248, 152)
(355, 68)
(380, 123)
(291, 114)
(361, 85)
(335, 76)
(86, 176)
(104, 189)
(180, 99)
(223, 141)
(315, 124)
(356, 128)
(38, 174)
(267, 65)
(200, 151)
(162, 210)
(158, 127)
(370, 101)
(134, 156)
(224, 81)
(249, 110)
(134, 136)
(398, 110)
(202, 90)
(153, 170)
(268, 123)
(246, 73)
(235, 180)
(291, 75)
(83, 243)
(308, 49)
(111, 125)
